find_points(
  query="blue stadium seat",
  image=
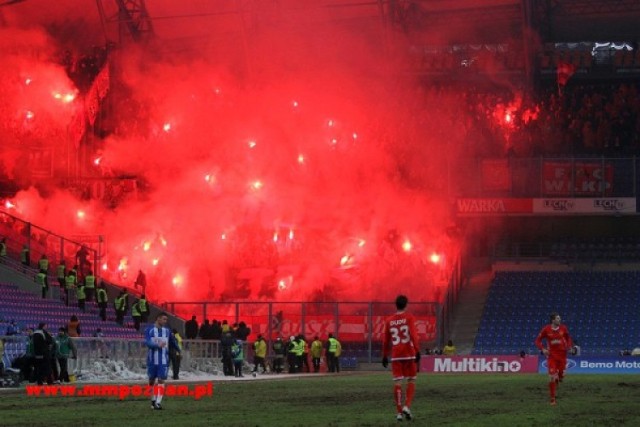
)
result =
(600, 308)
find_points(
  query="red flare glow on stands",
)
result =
(177, 281)
(435, 258)
(274, 221)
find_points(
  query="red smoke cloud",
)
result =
(281, 163)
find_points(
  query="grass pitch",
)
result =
(352, 399)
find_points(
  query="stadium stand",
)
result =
(599, 308)
(28, 310)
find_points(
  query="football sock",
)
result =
(411, 389)
(552, 389)
(160, 393)
(397, 393)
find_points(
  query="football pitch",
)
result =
(351, 399)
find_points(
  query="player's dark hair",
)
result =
(553, 315)
(401, 302)
(162, 313)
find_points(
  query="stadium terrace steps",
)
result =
(468, 312)
(28, 310)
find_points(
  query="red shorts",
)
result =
(556, 364)
(404, 369)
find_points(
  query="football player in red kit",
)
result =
(401, 340)
(558, 344)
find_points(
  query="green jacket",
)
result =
(65, 346)
(90, 281)
(41, 279)
(237, 352)
(102, 296)
(81, 293)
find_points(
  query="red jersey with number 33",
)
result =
(401, 336)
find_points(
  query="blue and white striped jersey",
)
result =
(158, 340)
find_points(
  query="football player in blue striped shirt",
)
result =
(159, 340)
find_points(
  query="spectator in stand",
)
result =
(226, 343)
(61, 271)
(175, 355)
(25, 257)
(141, 282)
(577, 350)
(43, 264)
(81, 295)
(1, 357)
(316, 353)
(82, 261)
(125, 298)
(27, 363)
(225, 327)
(278, 351)
(260, 353)
(70, 282)
(216, 330)
(304, 356)
(100, 345)
(42, 342)
(292, 355)
(144, 308)
(237, 352)
(136, 315)
(90, 285)
(12, 329)
(449, 349)
(3, 250)
(64, 348)
(119, 306)
(242, 332)
(191, 328)
(204, 330)
(332, 353)
(73, 327)
(41, 279)
(103, 302)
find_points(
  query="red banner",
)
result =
(496, 175)
(579, 179)
(354, 328)
(497, 206)
(479, 364)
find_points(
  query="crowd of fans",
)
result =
(82, 68)
(578, 119)
(292, 354)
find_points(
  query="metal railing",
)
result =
(20, 234)
(196, 354)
